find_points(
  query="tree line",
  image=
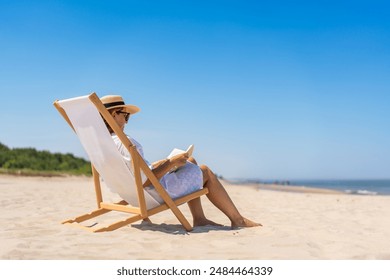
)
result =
(30, 160)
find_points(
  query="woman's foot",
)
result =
(244, 222)
(205, 222)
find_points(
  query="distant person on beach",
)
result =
(179, 175)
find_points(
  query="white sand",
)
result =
(297, 225)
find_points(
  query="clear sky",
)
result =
(263, 89)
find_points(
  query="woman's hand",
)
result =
(161, 167)
(178, 160)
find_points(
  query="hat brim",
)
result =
(131, 109)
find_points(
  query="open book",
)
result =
(175, 152)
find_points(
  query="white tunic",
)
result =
(185, 180)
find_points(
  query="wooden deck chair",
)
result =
(84, 114)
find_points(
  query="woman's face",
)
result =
(121, 118)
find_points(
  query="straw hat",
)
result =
(116, 101)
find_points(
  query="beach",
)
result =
(298, 224)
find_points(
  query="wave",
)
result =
(361, 192)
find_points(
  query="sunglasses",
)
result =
(126, 115)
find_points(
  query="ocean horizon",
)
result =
(355, 186)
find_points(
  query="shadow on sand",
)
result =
(178, 229)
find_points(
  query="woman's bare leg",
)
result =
(195, 205)
(199, 219)
(221, 199)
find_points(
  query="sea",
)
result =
(358, 187)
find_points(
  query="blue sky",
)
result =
(263, 89)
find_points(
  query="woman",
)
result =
(188, 177)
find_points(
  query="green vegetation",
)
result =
(29, 161)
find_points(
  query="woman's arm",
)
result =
(162, 167)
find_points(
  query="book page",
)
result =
(175, 152)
